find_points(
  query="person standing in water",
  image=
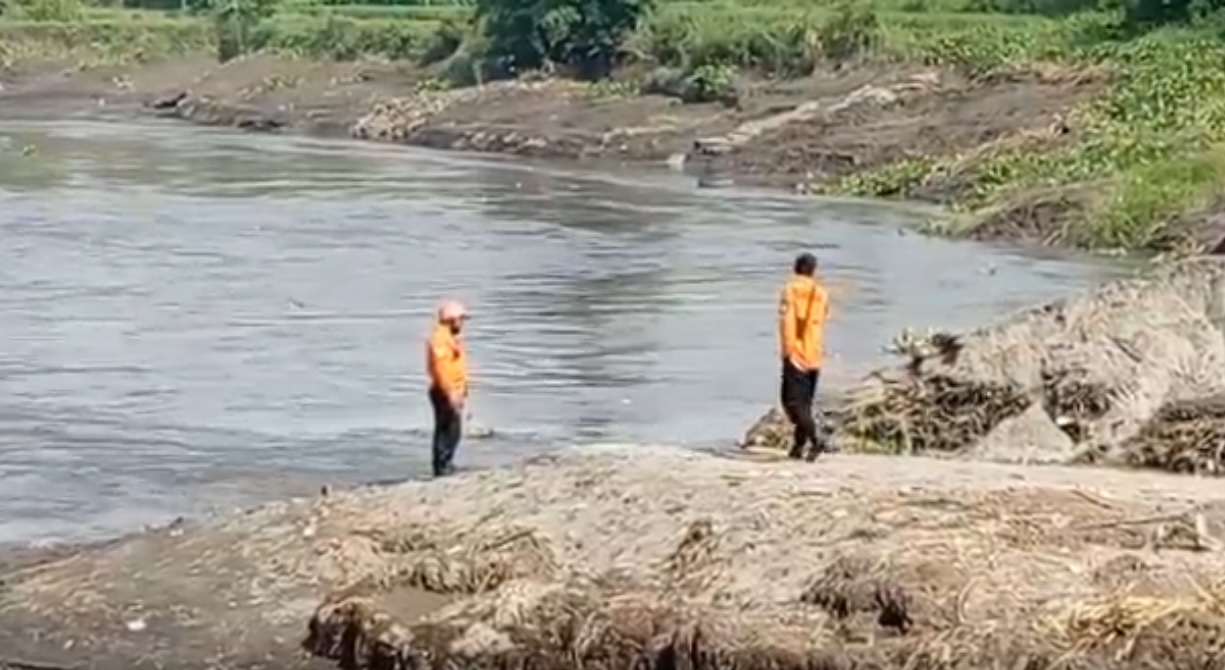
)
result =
(803, 308)
(448, 371)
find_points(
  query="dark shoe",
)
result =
(796, 453)
(816, 450)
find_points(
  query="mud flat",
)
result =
(1128, 374)
(659, 557)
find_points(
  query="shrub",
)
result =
(852, 31)
(236, 22)
(341, 38)
(445, 41)
(705, 83)
(585, 35)
(44, 10)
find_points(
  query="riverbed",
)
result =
(199, 320)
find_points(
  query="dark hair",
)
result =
(805, 264)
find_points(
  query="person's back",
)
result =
(803, 308)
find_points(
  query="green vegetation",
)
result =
(1143, 158)
(1147, 157)
(585, 35)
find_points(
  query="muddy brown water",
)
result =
(198, 320)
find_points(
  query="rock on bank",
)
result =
(1129, 373)
(615, 557)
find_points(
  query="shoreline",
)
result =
(706, 545)
(838, 123)
(654, 556)
(696, 559)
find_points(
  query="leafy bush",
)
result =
(44, 10)
(1042, 7)
(340, 38)
(585, 35)
(406, 12)
(1150, 152)
(705, 83)
(853, 30)
(769, 40)
(445, 41)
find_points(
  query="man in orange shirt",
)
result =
(448, 370)
(803, 308)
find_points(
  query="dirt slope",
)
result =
(606, 555)
(784, 133)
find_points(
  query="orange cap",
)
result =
(452, 310)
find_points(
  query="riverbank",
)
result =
(607, 557)
(1028, 129)
(1123, 376)
(833, 121)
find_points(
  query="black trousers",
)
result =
(448, 428)
(798, 392)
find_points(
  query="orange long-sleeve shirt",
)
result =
(803, 308)
(446, 362)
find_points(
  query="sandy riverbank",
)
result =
(611, 556)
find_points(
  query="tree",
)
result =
(582, 34)
(235, 22)
(1152, 13)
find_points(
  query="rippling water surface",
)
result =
(198, 319)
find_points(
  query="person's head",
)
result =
(452, 314)
(805, 264)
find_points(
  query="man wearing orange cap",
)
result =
(448, 370)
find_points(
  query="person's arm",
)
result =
(822, 309)
(787, 325)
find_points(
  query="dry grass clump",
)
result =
(1047, 215)
(929, 414)
(579, 626)
(849, 586)
(771, 430)
(575, 625)
(1187, 632)
(1070, 393)
(414, 557)
(861, 563)
(1124, 374)
(650, 557)
(1186, 437)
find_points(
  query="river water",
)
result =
(198, 320)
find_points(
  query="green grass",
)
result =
(398, 12)
(102, 41)
(343, 38)
(781, 39)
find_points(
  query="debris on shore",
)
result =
(657, 557)
(1126, 374)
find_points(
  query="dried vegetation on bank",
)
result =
(614, 557)
(1127, 374)
(862, 563)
